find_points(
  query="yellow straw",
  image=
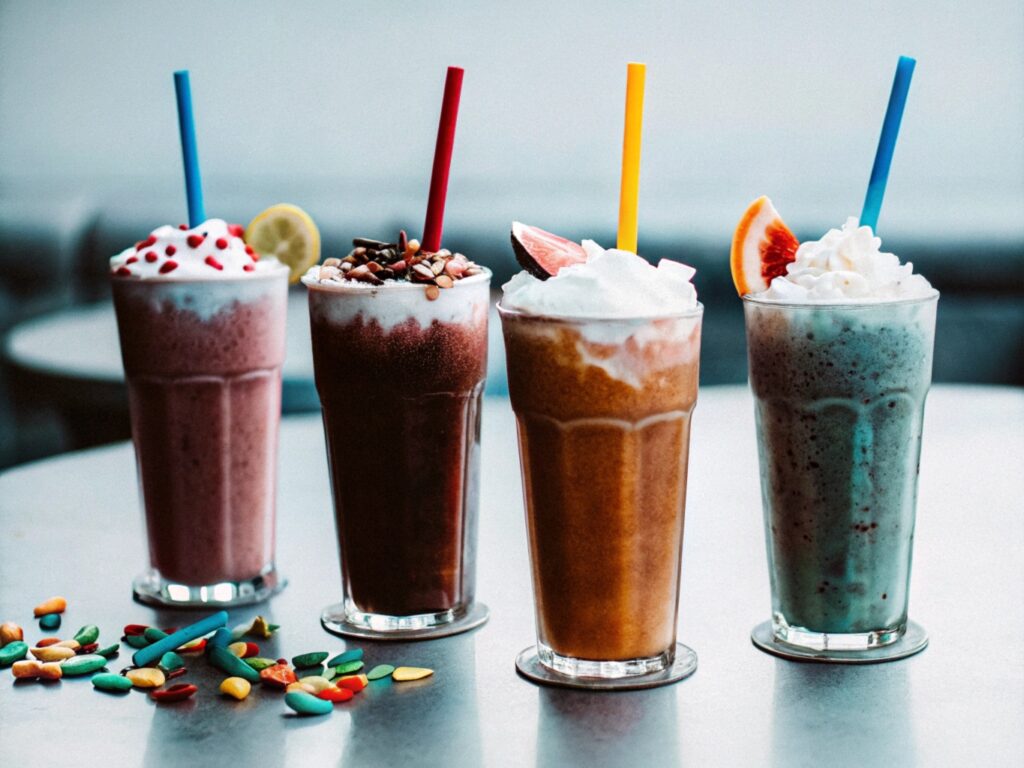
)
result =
(629, 192)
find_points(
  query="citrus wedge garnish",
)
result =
(288, 233)
(761, 248)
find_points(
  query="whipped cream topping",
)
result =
(214, 250)
(846, 265)
(609, 284)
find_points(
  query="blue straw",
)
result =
(151, 653)
(189, 154)
(887, 142)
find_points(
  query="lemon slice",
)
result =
(288, 233)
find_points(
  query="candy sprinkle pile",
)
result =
(311, 682)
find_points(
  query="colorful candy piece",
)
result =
(10, 632)
(51, 670)
(88, 634)
(315, 682)
(251, 649)
(29, 669)
(108, 681)
(146, 677)
(352, 654)
(84, 665)
(235, 687)
(74, 645)
(90, 648)
(131, 630)
(137, 641)
(354, 683)
(233, 666)
(258, 663)
(221, 638)
(110, 651)
(193, 646)
(52, 653)
(46, 642)
(49, 621)
(307, 704)
(14, 651)
(405, 674)
(171, 661)
(335, 695)
(380, 672)
(306, 660)
(176, 673)
(53, 605)
(297, 686)
(238, 649)
(178, 692)
(151, 653)
(348, 668)
(152, 634)
(277, 676)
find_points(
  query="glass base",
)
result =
(833, 641)
(542, 665)
(345, 620)
(153, 589)
(841, 649)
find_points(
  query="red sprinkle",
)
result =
(168, 266)
(145, 243)
(236, 229)
(251, 649)
(134, 629)
(170, 250)
(248, 267)
(183, 227)
(221, 243)
(151, 256)
(123, 272)
(194, 241)
(214, 263)
(335, 694)
(131, 259)
(178, 692)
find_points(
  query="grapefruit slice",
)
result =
(541, 253)
(762, 246)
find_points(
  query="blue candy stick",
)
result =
(145, 656)
(189, 153)
(887, 142)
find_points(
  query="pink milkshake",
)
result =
(202, 320)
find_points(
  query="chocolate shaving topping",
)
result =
(374, 261)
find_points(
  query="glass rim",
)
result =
(697, 311)
(849, 304)
(364, 289)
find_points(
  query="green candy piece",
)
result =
(83, 665)
(110, 651)
(306, 660)
(348, 668)
(12, 652)
(272, 628)
(307, 704)
(137, 641)
(227, 662)
(108, 681)
(87, 635)
(258, 663)
(49, 621)
(352, 654)
(152, 634)
(171, 661)
(380, 671)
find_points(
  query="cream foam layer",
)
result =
(846, 266)
(609, 284)
(210, 251)
(396, 302)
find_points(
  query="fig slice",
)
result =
(542, 253)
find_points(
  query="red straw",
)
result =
(442, 160)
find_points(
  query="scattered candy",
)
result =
(52, 653)
(302, 687)
(151, 653)
(227, 662)
(405, 674)
(84, 665)
(72, 644)
(193, 646)
(315, 682)
(49, 621)
(236, 687)
(306, 704)
(306, 660)
(178, 692)
(16, 650)
(279, 675)
(10, 632)
(27, 670)
(220, 638)
(137, 641)
(88, 634)
(171, 661)
(354, 683)
(260, 628)
(175, 673)
(46, 642)
(108, 681)
(53, 605)
(238, 649)
(380, 672)
(90, 648)
(152, 634)
(51, 670)
(348, 668)
(259, 664)
(131, 630)
(352, 654)
(335, 695)
(146, 677)
(251, 649)
(110, 651)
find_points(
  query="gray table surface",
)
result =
(71, 526)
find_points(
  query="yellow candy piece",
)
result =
(405, 674)
(293, 687)
(74, 645)
(50, 671)
(238, 649)
(146, 677)
(316, 682)
(236, 687)
(52, 653)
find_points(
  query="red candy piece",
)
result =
(123, 272)
(46, 642)
(168, 266)
(131, 259)
(251, 649)
(151, 256)
(278, 676)
(335, 694)
(237, 230)
(201, 645)
(170, 250)
(134, 629)
(90, 648)
(175, 673)
(178, 692)
(221, 243)
(194, 241)
(354, 683)
(214, 263)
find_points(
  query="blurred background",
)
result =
(333, 106)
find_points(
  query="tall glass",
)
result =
(202, 362)
(839, 393)
(400, 379)
(603, 412)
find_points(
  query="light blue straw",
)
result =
(189, 153)
(151, 653)
(887, 143)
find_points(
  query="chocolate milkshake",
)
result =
(201, 321)
(603, 392)
(399, 352)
